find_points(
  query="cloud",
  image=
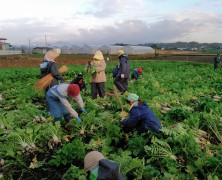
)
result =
(116, 23)
(133, 32)
(129, 31)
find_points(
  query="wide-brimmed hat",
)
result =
(51, 55)
(92, 159)
(98, 55)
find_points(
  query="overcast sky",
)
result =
(98, 22)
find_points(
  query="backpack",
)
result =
(45, 68)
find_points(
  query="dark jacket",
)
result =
(216, 62)
(124, 66)
(142, 119)
(115, 71)
(135, 74)
(47, 67)
(106, 170)
(80, 82)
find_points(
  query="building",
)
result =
(74, 49)
(41, 50)
(91, 49)
(7, 49)
(143, 50)
(127, 49)
(88, 49)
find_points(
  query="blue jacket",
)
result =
(142, 119)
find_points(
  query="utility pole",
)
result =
(45, 41)
(29, 46)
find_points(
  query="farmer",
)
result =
(115, 71)
(121, 80)
(57, 98)
(80, 81)
(136, 73)
(141, 116)
(216, 61)
(98, 76)
(49, 66)
(97, 167)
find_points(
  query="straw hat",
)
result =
(98, 55)
(92, 159)
(51, 55)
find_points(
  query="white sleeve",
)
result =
(68, 106)
(79, 101)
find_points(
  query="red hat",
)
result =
(140, 70)
(73, 90)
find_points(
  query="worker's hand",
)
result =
(79, 119)
(83, 110)
(122, 119)
(122, 75)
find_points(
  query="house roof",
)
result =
(2, 40)
(47, 48)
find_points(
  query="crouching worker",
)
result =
(98, 168)
(80, 82)
(58, 96)
(141, 117)
(136, 73)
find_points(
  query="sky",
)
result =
(104, 22)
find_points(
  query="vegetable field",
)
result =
(186, 97)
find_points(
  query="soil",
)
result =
(161, 55)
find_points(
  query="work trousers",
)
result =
(97, 88)
(121, 84)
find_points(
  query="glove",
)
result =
(122, 75)
(83, 110)
(79, 119)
